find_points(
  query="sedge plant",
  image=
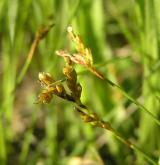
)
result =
(51, 87)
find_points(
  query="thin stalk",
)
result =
(57, 82)
(134, 147)
(96, 121)
(41, 33)
(100, 75)
(102, 64)
(112, 60)
(139, 105)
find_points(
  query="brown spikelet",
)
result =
(83, 56)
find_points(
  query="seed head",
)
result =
(45, 78)
(44, 97)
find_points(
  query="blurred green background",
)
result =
(125, 40)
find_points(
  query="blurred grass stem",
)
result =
(41, 33)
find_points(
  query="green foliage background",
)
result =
(125, 40)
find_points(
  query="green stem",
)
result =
(41, 33)
(100, 75)
(133, 100)
(57, 82)
(106, 125)
(28, 60)
(134, 147)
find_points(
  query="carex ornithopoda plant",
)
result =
(83, 57)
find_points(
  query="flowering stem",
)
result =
(100, 75)
(133, 146)
(133, 100)
(96, 121)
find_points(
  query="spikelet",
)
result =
(83, 56)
